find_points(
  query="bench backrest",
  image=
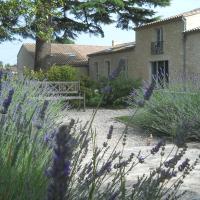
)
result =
(61, 87)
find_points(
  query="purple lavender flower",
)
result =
(114, 195)
(134, 93)
(48, 137)
(109, 135)
(183, 165)
(140, 159)
(116, 72)
(149, 91)
(7, 102)
(105, 168)
(107, 90)
(60, 170)
(155, 149)
(43, 110)
(173, 161)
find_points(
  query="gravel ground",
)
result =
(137, 140)
(104, 119)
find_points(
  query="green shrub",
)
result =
(121, 88)
(91, 89)
(36, 75)
(169, 111)
(62, 73)
(55, 73)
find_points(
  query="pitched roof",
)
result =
(71, 54)
(116, 48)
(196, 29)
(175, 17)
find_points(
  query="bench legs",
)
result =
(84, 101)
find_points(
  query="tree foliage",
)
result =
(69, 18)
(66, 19)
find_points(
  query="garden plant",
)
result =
(41, 158)
(181, 101)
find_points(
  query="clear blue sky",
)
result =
(9, 50)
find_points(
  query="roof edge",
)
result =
(107, 51)
(169, 19)
(158, 22)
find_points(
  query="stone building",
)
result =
(61, 54)
(162, 50)
(102, 63)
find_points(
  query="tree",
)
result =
(63, 40)
(65, 19)
(9, 19)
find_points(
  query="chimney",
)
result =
(113, 43)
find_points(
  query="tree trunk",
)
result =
(43, 45)
(42, 54)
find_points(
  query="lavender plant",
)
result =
(182, 111)
(102, 172)
(23, 153)
(79, 168)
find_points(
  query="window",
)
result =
(157, 47)
(160, 72)
(107, 67)
(124, 66)
(96, 67)
(159, 34)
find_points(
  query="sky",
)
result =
(9, 50)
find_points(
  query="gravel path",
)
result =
(104, 119)
(136, 141)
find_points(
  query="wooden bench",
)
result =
(64, 91)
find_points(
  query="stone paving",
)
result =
(137, 140)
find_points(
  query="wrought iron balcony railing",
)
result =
(157, 47)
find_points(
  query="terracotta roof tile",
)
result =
(71, 54)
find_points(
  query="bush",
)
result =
(62, 73)
(55, 73)
(121, 88)
(34, 75)
(91, 89)
(170, 110)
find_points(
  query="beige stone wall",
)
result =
(192, 21)
(173, 48)
(193, 52)
(24, 59)
(114, 59)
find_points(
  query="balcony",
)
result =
(157, 48)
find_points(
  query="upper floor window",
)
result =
(96, 68)
(157, 46)
(108, 67)
(159, 34)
